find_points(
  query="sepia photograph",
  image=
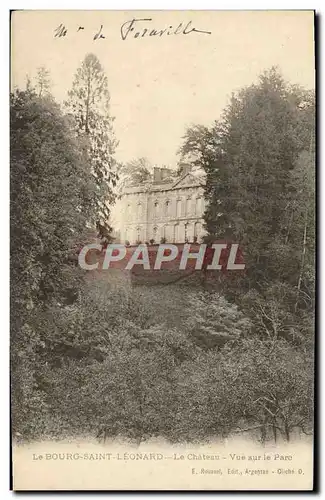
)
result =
(162, 250)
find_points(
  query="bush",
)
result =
(132, 375)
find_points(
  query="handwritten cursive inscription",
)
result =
(131, 29)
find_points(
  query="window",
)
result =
(188, 206)
(178, 208)
(169, 233)
(167, 207)
(197, 229)
(198, 206)
(155, 208)
(186, 233)
(176, 233)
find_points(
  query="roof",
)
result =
(188, 180)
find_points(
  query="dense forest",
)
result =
(181, 362)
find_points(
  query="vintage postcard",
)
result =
(162, 250)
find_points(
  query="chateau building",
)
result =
(163, 209)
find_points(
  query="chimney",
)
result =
(157, 174)
(165, 172)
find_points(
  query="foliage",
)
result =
(50, 191)
(214, 320)
(89, 105)
(92, 355)
(130, 374)
(259, 159)
(135, 172)
(43, 82)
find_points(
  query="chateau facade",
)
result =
(164, 209)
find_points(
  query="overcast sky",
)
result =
(160, 85)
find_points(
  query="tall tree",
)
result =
(89, 105)
(51, 191)
(249, 156)
(43, 81)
